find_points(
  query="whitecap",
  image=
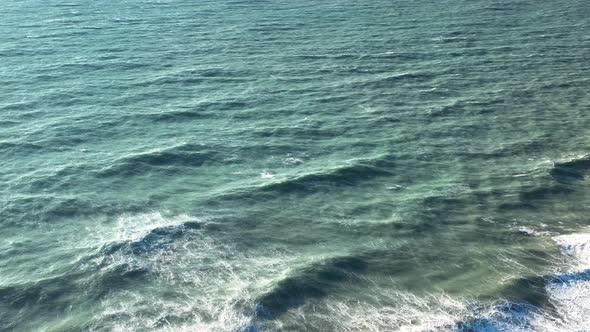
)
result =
(267, 175)
(569, 292)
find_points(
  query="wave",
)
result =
(9, 123)
(111, 258)
(182, 155)
(565, 84)
(401, 311)
(243, 293)
(386, 81)
(311, 282)
(202, 110)
(16, 148)
(22, 302)
(532, 146)
(559, 302)
(209, 282)
(158, 238)
(550, 186)
(197, 76)
(25, 301)
(569, 293)
(28, 210)
(355, 172)
(468, 106)
(22, 106)
(530, 197)
(179, 115)
(407, 312)
(304, 133)
(573, 169)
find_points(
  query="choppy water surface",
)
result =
(234, 165)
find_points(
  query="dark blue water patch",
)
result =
(250, 328)
(568, 279)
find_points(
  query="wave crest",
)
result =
(183, 155)
(354, 173)
(573, 169)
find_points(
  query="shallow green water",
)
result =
(293, 166)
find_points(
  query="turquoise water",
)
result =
(243, 165)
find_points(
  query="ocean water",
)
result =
(274, 165)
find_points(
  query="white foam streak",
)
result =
(577, 246)
(570, 292)
(412, 314)
(134, 227)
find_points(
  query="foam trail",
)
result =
(570, 292)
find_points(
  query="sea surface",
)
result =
(280, 165)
